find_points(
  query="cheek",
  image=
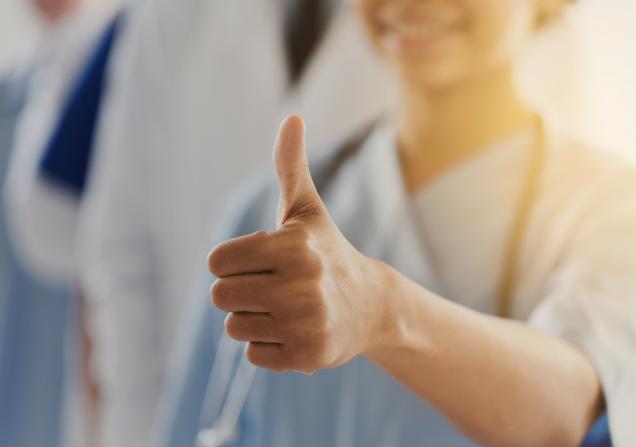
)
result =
(496, 31)
(367, 12)
(501, 28)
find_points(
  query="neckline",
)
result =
(505, 147)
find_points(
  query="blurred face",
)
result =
(53, 10)
(436, 43)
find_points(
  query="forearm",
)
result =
(498, 381)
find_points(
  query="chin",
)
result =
(430, 75)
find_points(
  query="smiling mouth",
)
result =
(418, 34)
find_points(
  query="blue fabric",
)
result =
(34, 320)
(599, 435)
(68, 154)
(356, 404)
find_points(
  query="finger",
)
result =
(261, 293)
(298, 195)
(270, 356)
(242, 255)
(260, 252)
(252, 327)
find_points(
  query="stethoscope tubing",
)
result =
(225, 429)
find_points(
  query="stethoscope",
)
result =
(230, 390)
(227, 393)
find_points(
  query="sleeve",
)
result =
(252, 208)
(592, 299)
(117, 266)
(120, 269)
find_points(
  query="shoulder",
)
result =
(328, 164)
(580, 168)
(592, 188)
(570, 152)
(248, 207)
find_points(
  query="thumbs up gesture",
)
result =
(302, 297)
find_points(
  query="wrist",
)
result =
(405, 327)
(388, 330)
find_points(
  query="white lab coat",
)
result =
(42, 217)
(576, 280)
(194, 106)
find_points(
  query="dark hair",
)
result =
(306, 23)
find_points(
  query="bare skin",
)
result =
(54, 10)
(305, 299)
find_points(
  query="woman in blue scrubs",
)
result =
(463, 273)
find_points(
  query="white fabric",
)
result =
(453, 230)
(196, 96)
(577, 268)
(468, 201)
(43, 219)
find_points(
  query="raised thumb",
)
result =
(298, 195)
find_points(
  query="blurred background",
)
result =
(54, 58)
(598, 75)
(21, 29)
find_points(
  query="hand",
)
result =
(302, 297)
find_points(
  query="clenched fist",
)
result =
(302, 297)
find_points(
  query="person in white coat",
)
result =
(461, 274)
(43, 216)
(195, 92)
(42, 193)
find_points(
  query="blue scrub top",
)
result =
(357, 404)
(34, 320)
